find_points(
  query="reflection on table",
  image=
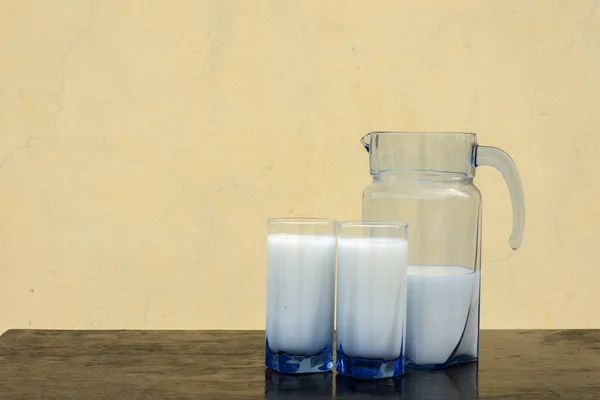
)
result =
(296, 387)
(458, 382)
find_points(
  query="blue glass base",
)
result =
(461, 359)
(296, 364)
(362, 368)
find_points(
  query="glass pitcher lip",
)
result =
(421, 151)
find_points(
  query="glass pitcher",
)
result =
(426, 179)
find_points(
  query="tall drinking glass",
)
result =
(371, 299)
(300, 294)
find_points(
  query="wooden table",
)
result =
(36, 364)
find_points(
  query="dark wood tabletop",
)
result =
(38, 364)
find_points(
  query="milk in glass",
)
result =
(300, 293)
(371, 296)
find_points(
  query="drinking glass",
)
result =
(371, 298)
(300, 294)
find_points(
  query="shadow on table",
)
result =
(455, 383)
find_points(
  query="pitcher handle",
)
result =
(499, 159)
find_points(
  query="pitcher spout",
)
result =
(366, 141)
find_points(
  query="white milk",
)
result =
(439, 299)
(300, 293)
(371, 299)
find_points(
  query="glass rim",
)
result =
(301, 221)
(455, 133)
(373, 224)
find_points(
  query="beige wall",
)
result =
(144, 143)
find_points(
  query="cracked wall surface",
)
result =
(143, 144)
